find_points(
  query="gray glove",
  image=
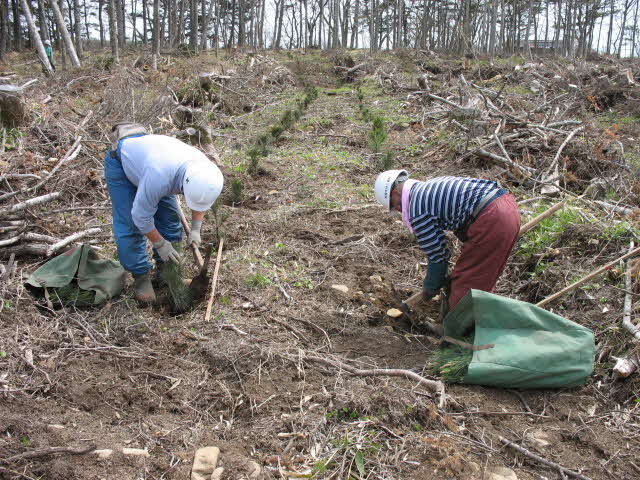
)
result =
(166, 251)
(194, 236)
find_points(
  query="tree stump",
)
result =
(13, 111)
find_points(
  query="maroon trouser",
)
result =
(484, 254)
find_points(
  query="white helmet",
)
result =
(384, 185)
(47, 42)
(202, 185)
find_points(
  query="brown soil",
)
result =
(124, 376)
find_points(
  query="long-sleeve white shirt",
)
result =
(156, 164)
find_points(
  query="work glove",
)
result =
(166, 251)
(435, 278)
(194, 236)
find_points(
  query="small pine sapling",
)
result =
(386, 162)
(377, 135)
(254, 160)
(287, 119)
(219, 217)
(276, 131)
(360, 95)
(366, 114)
(236, 191)
(180, 295)
(297, 114)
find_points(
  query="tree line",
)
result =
(566, 27)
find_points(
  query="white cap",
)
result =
(384, 185)
(202, 185)
(47, 42)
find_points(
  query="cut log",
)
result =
(13, 110)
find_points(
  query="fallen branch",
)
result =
(547, 213)
(70, 239)
(626, 315)
(616, 208)
(544, 461)
(526, 171)
(71, 154)
(214, 282)
(32, 202)
(433, 385)
(588, 277)
(20, 176)
(37, 249)
(45, 452)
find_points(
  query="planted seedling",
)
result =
(236, 191)
(377, 135)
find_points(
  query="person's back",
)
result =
(451, 200)
(162, 157)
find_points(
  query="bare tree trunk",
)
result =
(635, 29)
(35, 38)
(493, 18)
(180, 39)
(355, 26)
(528, 31)
(206, 23)
(4, 27)
(100, 22)
(145, 13)
(216, 33)
(86, 21)
(155, 48)
(77, 27)
(335, 39)
(193, 25)
(345, 23)
(623, 26)
(65, 34)
(279, 29)
(610, 35)
(17, 29)
(113, 30)
(241, 23)
(42, 21)
(122, 34)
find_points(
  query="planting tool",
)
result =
(200, 282)
(411, 303)
(187, 229)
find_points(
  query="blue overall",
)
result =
(131, 243)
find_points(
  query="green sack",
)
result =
(533, 348)
(82, 266)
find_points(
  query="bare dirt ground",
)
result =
(123, 376)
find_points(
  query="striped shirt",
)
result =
(444, 203)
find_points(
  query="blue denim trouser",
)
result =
(131, 243)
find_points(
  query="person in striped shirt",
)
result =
(480, 213)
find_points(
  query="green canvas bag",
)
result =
(533, 348)
(83, 265)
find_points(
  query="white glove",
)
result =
(166, 251)
(194, 236)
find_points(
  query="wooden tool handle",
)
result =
(187, 229)
(414, 300)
